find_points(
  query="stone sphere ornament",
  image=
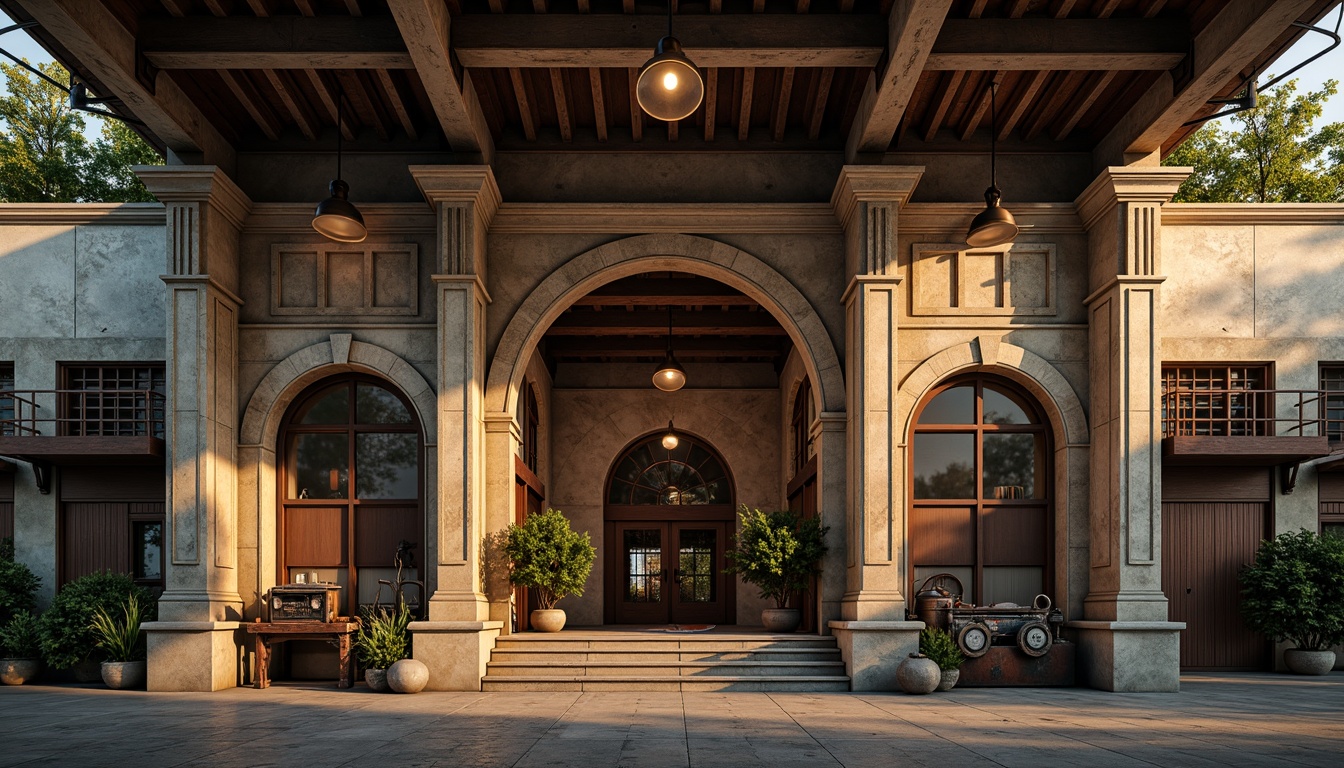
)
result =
(408, 676)
(918, 674)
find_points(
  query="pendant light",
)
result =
(670, 376)
(336, 217)
(994, 225)
(669, 85)
(670, 440)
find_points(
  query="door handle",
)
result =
(676, 575)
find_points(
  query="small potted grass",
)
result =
(122, 640)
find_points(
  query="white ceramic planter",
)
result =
(124, 675)
(19, 671)
(1309, 662)
(549, 620)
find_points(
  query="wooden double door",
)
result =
(668, 572)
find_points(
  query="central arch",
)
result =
(652, 253)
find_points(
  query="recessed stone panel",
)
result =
(1008, 280)
(329, 279)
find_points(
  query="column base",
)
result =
(1129, 656)
(456, 652)
(873, 649)
(193, 655)
(873, 605)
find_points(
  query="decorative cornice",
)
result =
(663, 218)
(1124, 281)
(74, 214)
(873, 184)
(1190, 214)
(1128, 184)
(381, 218)
(197, 184)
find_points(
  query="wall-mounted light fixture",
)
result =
(670, 376)
(336, 217)
(669, 85)
(670, 439)
(994, 225)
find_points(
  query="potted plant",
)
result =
(941, 647)
(18, 585)
(20, 650)
(382, 640)
(1294, 591)
(779, 552)
(69, 641)
(122, 641)
(552, 560)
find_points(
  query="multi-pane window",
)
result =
(1217, 400)
(654, 474)
(980, 491)
(801, 426)
(113, 400)
(1332, 386)
(6, 400)
(529, 426)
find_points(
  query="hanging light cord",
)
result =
(340, 113)
(669, 329)
(669, 18)
(993, 134)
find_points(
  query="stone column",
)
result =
(455, 643)
(1126, 641)
(193, 645)
(873, 633)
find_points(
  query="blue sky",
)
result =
(1310, 78)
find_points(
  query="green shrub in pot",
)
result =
(939, 645)
(68, 637)
(1294, 591)
(778, 552)
(549, 558)
(18, 585)
(382, 639)
(120, 636)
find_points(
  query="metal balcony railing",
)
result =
(1253, 413)
(81, 413)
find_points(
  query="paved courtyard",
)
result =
(1233, 720)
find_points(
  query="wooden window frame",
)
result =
(155, 412)
(1328, 374)
(1262, 419)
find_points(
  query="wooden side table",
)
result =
(338, 633)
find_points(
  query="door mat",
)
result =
(684, 628)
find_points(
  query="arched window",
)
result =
(684, 475)
(350, 484)
(980, 488)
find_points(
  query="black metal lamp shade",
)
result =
(669, 86)
(670, 376)
(992, 226)
(337, 218)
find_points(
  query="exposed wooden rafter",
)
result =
(424, 26)
(525, 115)
(1074, 44)
(711, 100)
(744, 109)
(561, 94)
(599, 102)
(820, 92)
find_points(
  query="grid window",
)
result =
(1224, 401)
(801, 426)
(6, 400)
(1332, 386)
(114, 400)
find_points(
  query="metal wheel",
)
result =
(974, 639)
(1034, 638)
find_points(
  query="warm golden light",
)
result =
(669, 86)
(670, 81)
(670, 441)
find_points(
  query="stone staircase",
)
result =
(615, 660)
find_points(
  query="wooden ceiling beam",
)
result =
(424, 26)
(599, 102)
(818, 109)
(912, 27)
(653, 322)
(933, 119)
(653, 346)
(525, 113)
(598, 40)
(636, 114)
(328, 101)
(744, 108)
(252, 101)
(99, 43)
(1074, 44)
(561, 95)
(1086, 97)
(357, 96)
(1228, 43)
(294, 103)
(273, 42)
(178, 8)
(779, 118)
(398, 104)
(711, 100)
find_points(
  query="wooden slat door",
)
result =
(95, 536)
(1204, 544)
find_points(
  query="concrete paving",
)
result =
(1231, 720)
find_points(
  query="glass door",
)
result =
(672, 573)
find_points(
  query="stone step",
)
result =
(568, 655)
(525, 642)
(540, 668)
(762, 683)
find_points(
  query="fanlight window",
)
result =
(653, 475)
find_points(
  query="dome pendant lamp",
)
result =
(336, 217)
(669, 86)
(994, 225)
(670, 376)
(670, 440)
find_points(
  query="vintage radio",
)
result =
(305, 602)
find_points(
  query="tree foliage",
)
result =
(1270, 154)
(549, 557)
(45, 156)
(18, 584)
(777, 551)
(1295, 590)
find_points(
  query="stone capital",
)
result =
(197, 184)
(873, 184)
(459, 185)
(1128, 184)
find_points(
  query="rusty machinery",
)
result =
(1035, 629)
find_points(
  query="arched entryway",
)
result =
(668, 516)
(349, 487)
(981, 490)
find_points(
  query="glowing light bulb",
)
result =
(670, 81)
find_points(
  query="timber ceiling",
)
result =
(625, 321)
(851, 75)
